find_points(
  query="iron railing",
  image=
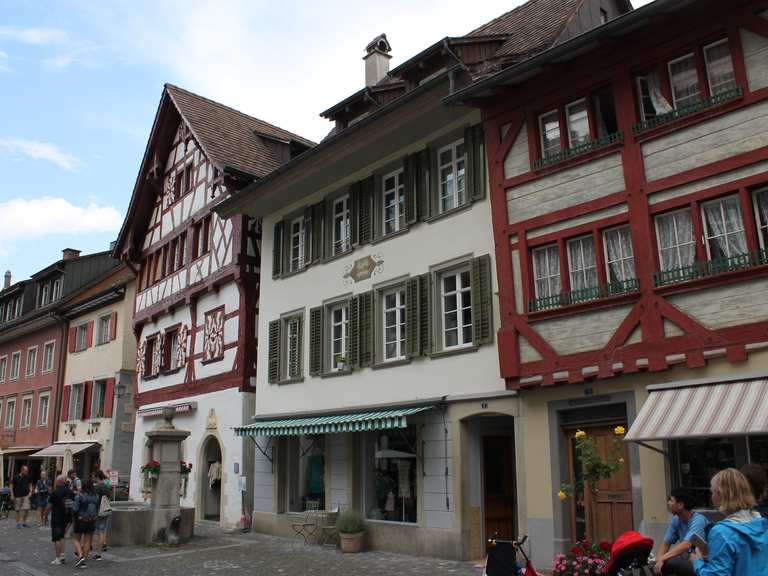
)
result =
(578, 150)
(709, 268)
(583, 295)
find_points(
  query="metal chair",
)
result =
(307, 527)
(328, 532)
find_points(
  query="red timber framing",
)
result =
(617, 62)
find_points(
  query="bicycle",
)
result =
(502, 558)
(5, 503)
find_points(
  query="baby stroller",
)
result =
(502, 558)
(629, 556)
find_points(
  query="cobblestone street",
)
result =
(28, 552)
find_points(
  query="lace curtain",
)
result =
(725, 228)
(546, 262)
(581, 257)
(676, 243)
(621, 261)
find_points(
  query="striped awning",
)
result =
(338, 423)
(718, 409)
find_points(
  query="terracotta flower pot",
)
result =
(351, 542)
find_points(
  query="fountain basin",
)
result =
(137, 524)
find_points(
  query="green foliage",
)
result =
(349, 522)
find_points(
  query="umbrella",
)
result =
(68, 463)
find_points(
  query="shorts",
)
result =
(102, 525)
(58, 529)
(83, 527)
(21, 503)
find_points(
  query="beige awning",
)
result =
(18, 450)
(57, 450)
(736, 408)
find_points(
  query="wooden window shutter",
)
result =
(71, 337)
(353, 348)
(273, 354)
(366, 329)
(354, 219)
(365, 210)
(412, 318)
(113, 326)
(87, 395)
(411, 172)
(277, 250)
(89, 335)
(316, 341)
(308, 252)
(432, 193)
(109, 397)
(425, 313)
(65, 392)
(318, 229)
(482, 294)
(377, 212)
(475, 165)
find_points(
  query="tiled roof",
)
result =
(228, 137)
(532, 27)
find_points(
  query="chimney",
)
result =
(377, 59)
(7, 281)
(70, 253)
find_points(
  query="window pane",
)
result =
(549, 126)
(761, 211)
(581, 258)
(619, 255)
(684, 79)
(719, 68)
(675, 239)
(578, 123)
(546, 267)
(724, 228)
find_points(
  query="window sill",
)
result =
(295, 380)
(758, 269)
(212, 360)
(292, 272)
(150, 377)
(587, 295)
(391, 364)
(399, 524)
(707, 269)
(337, 373)
(169, 371)
(385, 237)
(454, 351)
(338, 256)
(587, 306)
(435, 217)
(580, 152)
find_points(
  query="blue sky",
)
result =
(80, 81)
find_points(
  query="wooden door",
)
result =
(613, 510)
(499, 486)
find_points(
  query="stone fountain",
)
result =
(163, 520)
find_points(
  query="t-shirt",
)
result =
(58, 506)
(21, 486)
(677, 531)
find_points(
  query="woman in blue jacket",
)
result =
(738, 545)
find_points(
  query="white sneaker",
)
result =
(57, 561)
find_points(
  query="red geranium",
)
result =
(605, 546)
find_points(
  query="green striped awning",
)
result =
(353, 422)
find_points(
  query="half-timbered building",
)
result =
(628, 171)
(378, 388)
(197, 292)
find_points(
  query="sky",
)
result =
(80, 81)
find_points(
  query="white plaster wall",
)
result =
(228, 408)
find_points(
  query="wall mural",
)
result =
(213, 336)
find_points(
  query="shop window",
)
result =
(389, 475)
(305, 473)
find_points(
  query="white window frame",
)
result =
(762, 227)
(17, 307)
(102, 335)
(42, 416)
(677, 244)
(639, 86)
(95, 400)
(572, 270)
(705, 225)
(17, 356)
(624, 257)
(45, 292)
(3, 367)
(568, 107)
(296, 242)
(344, 243)
(398, 222)
(546, 276)
(26, 412)
(542, 131)
(56, 292)
(343, 340)
(81, 328)
(172, 341)
(27, 371)
(10, 413)
(706, 64)
(399, 325)
(47, 369)
(671, 79)
(458, 196)
(75, 402)
(458, 292)
(293, 330)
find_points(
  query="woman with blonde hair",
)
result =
(737, 545)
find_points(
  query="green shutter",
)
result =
(412, 332)
(316, 341)
(365, 210)
(273, 355)
(365, 329)
(354, 203)
(432, 194)
(308, 255)
(277, 250)
(411, 173)
(475, 164)
(482, 294)
(318, 228)
(377, 212)
(353, 337)
(425, 313)
(423, 184)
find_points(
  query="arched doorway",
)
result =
(210, 481)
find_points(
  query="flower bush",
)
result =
(151, 467)
(185, 468)
(584, 559)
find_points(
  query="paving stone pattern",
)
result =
(29, 551)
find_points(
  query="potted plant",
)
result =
(583, 559)
(341, 363)
(151, 469)
(350, 527)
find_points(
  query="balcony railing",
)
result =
(684, 111)
(709, 268)
(584, 295)
(578, 150)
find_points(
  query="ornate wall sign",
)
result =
(363, 268)
(213, 334)
(140, 352)
(181, 350)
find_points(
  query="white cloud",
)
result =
(3, 56)
(22, 218)
(18, 148)
(36, 36)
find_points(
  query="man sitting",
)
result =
(672, 557)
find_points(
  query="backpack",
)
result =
(105, 508)
(87, 507)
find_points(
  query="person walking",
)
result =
(74, 482)
(738, 545)
(21, 488)
(758, 480)
(85, 512)
(42, 492)
(674, 551)
(59, 503)
(101, 487)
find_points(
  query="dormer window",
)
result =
(56, 293)
(44, 293)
